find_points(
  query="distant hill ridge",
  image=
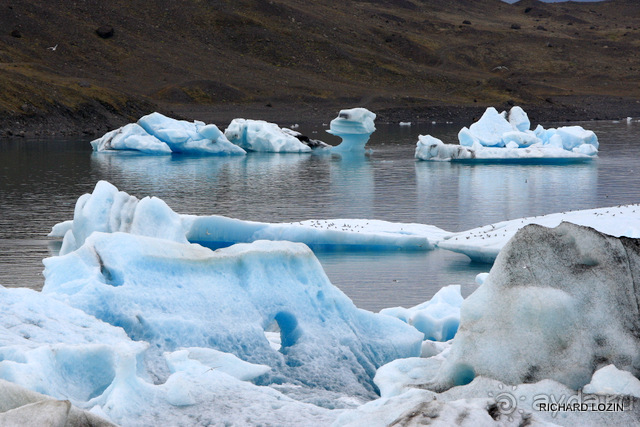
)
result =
(412, 56)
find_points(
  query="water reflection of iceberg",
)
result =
(484, 193)
(264, 179)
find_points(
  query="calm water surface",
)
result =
(41, 180)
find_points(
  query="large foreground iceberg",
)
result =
(158, 134)
(175, 295)
(558, 304)
(550, 338)
(51, 348)
(502, 136)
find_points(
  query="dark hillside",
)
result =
(401, 58)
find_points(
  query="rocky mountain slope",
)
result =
(405, 59)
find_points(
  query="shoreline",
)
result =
(93, 122)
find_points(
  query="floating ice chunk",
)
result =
(61, 228)
(110, 210)
(558, 304)
(176, 295)
(258, 135)
(438, 318)
(405, 123)
(483, 244)
(186, 137)
(494, 138)
(130, 137)
(466, 138)
(433, 149)
(588, 149)
(610, 381)
(354, 126)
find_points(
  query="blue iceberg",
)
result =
(354, 126)
(110, 210)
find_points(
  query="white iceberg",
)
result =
(158, 134)
(354, 126)
(130, 137)
(483, 244)
(498, 136)
(258, 135)
(110, 210)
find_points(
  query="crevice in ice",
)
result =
(110, 277)
(289, 332)
(463, 374)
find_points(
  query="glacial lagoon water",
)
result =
(40, 180)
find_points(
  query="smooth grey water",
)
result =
(41, 180)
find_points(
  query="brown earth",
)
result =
(270, 59)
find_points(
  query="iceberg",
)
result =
(354, 126)
(177, 295)
(110, 210)
(558, 304)
(158, 134)
(502, 136)
(483, 244)
(55, 355)
(258, 135)
(549, 338)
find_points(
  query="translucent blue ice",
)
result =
(354, 126)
